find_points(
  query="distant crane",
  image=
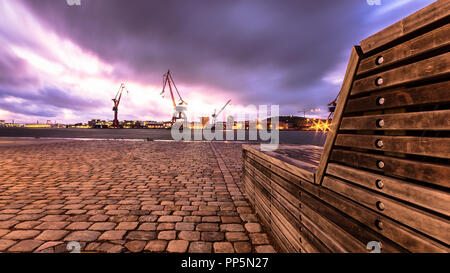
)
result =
(116, 101)
(308, 110)
(180, 108)
(215, 115)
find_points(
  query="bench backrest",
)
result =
(389, 147)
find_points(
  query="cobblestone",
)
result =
(116, 196)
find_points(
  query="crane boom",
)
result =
(116, 101)
(226, 104)
(168, 81)
(179, 108)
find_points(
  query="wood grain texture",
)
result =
(275, 200)
(340, 241)
(415, 218)
(394, 232)
(431, 120)
(432, 199)
(437, 66)
(425, 146)
(427, 42)
(420, 19)
(437, 93)
(254, 153)
(437, 174)
(351, 235)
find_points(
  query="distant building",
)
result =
(152, 124)
(37, 125)
(2, 123)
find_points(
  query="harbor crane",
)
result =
(180, 108)
(215, 115)
(116, 101)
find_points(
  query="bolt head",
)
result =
(380, 123)
(379, 184)
(381, 101)
(379, 81)
(379, 143)
(379, 60)
(379, 224)
(380, 164)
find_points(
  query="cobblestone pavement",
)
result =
(118, 196)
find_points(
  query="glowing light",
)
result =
(321, 125)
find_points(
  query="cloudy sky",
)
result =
(65, 63)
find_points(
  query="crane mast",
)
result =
(180, 108)
(116, 102)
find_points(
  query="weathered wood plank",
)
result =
(432, 120)
(420, 19)
(432, 199)
(425, 146)
(437, 66)
(287, 229)
(291, 173)
(335, 124)
(401, 235)
(429, 41)
(283, 242)
(325, 238)
(304, 174)
(313, 240)
(360, 233)
(407, 215)
(287, 187)
(291, 214)
(341, 241)
(437, 174)
(436, 93)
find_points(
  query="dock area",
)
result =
(118, 196)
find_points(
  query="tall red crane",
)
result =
(116, 101)
(179, 108)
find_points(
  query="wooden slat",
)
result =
(425, 146)
(431, 120)
(289, 189)
(325, 238)
(395, 232)
(417, 96)
(437, 66)
(355, 229)
(341, 241)
(429, 198)
(291, 214)
(405, 214)
(291, 173)
(342, 100)
(437, 174)
(432, 40)
(288, 230)
(314, 241)
(284, 243)
(420, 19)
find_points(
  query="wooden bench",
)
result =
(384, 172)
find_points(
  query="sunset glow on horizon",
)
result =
(62, 64)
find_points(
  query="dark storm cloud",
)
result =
(269, 49)
(256, 51)
(13, 71)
